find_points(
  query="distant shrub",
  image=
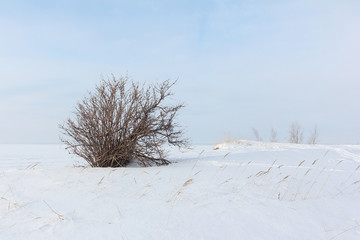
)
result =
(295, 133)
(313, 139)
(273, 136)
(123, 122)
(257, 135)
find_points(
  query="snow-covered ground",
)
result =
(241, 190)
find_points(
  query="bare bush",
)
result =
(314, 136)
(123, 122)
(273, 136)
(257, 135)
(296, 133)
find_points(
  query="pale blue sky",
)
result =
(240, 64)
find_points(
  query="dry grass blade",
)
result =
(101, 180)
(226, 154)
(358, 167)
(265, 172)
(307, 172)
(31, 166)
(193, 167)
(258, 174)
(356, 182)
(301, 163)
(314, 161)
(284, 179)
(226, 181)
(125, 173)
(111, 171)
(349, 229)
(201, 153)
(188, 182)
(173, 198)
(326, 153)
(339, 162)
(61, 217)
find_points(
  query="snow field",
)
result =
(242, 190)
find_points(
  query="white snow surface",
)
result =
(238, 190)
